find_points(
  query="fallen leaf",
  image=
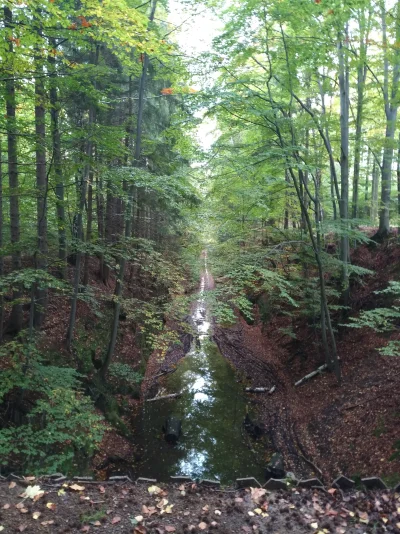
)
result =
(258, 511)
(181, 488)
(29, 479)
(36, 515)
(12, 485)
(96, 524)
(139, 518)
(217, 512)
(51, 506)
(1, 528)
(45, 523)
(202, 525)
(77, 487)
(24, 510)
(154, 490)
(21, 528)
(162, 503)
(140, 530)
(61, 492)
(170, 529)
(86, 528)
(33, 492)
(168, 509)
(115, 520)
(251, 514)
(102, 489)
(205, 508)
(314, 525)
(332, 491)
(257, 493)
(6, 506)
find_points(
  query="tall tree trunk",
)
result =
(89, 225)
(41, 186)
(79, 219)
(57, 164)
(391, 107)
(398, 188)
(16, 317)
(361, 79)
(344, 162)
(1, 240)
(128, 223)
(374, 193)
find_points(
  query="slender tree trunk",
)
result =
(375, 192)
(391, 107)
(15, 320)
(128, 231)
(41, 186)
(79, 220)
(344, 163)
(57, 165)
(398, 188)
(367, 200)
(361, 79)
(1, 240)
(89, 225)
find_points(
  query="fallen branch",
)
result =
(261, 390)
(314, 373)
(162, 397)
(310, 463)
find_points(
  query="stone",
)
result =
(249, 482)
(373, 483)
(275, 484)
(146, 480)
(181, 478)
(343, 483)
(310, 483)
(210, 483)
(172, 429)
(275, 467)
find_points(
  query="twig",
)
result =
(309, 462)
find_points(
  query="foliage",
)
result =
(58, 420)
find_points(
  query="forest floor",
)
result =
(123, 507)
(319, 427)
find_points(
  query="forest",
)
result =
(199, 230)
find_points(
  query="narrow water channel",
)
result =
(212, 408)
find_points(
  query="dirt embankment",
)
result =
(353, 429)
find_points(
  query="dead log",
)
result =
(163, 397)
(310, 375)
(261, 390)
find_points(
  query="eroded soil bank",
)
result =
(124, 507)
(319, 427)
